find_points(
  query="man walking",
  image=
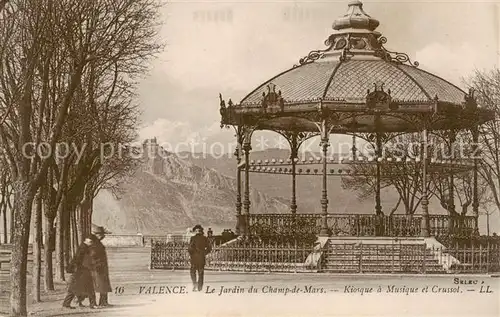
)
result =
(199, 247)
(80, 283)
(100, 270)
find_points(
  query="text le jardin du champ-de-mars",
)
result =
(459, 285)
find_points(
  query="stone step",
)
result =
(368, 247)
(379, 260)
(379, 252)
(375, 252)
(375, 240)
(385, 268)
(353, 253)
(384, 255)
(383, 249)
(379, 267)
(372, 243)
(388, 249)
(254, 263)
(403, 270)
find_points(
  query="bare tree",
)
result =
(108, 99)
(5, 201)
(487, 91)
(37, 249)
(30, 30)
(404, 177)
(104, 117)
(45, 45)
(487, 211)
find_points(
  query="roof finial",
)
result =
(356, 18)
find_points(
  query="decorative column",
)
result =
(471, 105)
(324, 195)
(451, 187)
(293, 156)
(425, 201)
(378, 206)
(238, 188)
(475, 198)
(246, 198)
(353, 149)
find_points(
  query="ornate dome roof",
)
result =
(349, 81)
(355, 85)
(354, 62)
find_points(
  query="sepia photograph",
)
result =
(249, 158)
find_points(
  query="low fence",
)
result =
(123, 240)
(410, 258)
(252, 255)
(166, 238)
(255, 255)
(473, 259)
(132, 240)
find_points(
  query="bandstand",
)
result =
(354, 86)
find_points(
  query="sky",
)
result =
(231, 47)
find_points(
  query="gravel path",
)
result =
(141, 292)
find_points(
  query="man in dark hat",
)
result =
(199, 247)
(100, 270)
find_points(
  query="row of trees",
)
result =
(68, 78)
(446, 185)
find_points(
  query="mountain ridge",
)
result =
(175, 197)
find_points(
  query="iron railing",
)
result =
(410, 258)
(256, 255)
(252, 255)
(360, 225)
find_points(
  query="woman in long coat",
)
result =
(100, 271)
(80, 283)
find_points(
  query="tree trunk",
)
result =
(4, 210)
(85, 209)
(11, 225)
(79, 225)
(59, 241)
(67, 236)
(89, 217)
(50, 213)
(74, 233)
(2, 204)
(37, 250)
(407, 208)
(487, 223)
(85, 214)
(465, 208)
(47, 248)
(23, 198)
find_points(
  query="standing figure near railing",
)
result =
(100, 270)
(199, 247)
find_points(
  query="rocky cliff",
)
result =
(174, 197)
